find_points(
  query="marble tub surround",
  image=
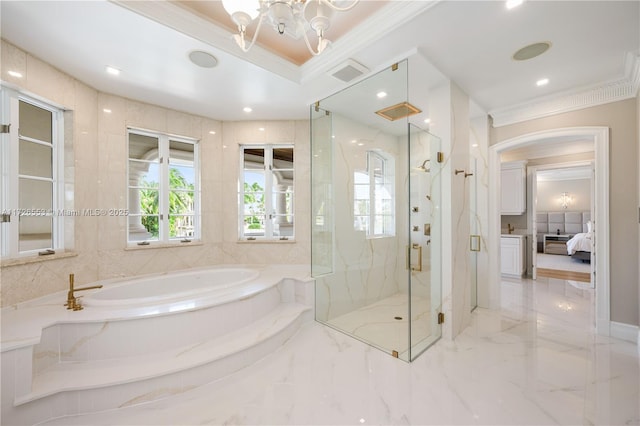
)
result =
(58, 362)
(23, 323)
(530, 362)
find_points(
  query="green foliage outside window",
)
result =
(180, 202)
(254, 199)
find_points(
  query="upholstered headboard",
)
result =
(566, 222)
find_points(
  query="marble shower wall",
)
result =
(449, 113)
(479, 136)
(365, 270)
(95, 177)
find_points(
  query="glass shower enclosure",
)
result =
(375, 191)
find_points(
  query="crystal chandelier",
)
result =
(291, 17)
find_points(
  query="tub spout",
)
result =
(73, 302)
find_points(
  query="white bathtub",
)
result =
(169, 287)
(213, 321)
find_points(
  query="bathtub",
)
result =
(168, 287)
(143, 338)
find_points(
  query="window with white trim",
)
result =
(266, 192)
(164, 188)
(32, 179)
(373, 196)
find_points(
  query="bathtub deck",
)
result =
(73, 376)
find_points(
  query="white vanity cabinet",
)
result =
(513, 188)
(512, 255)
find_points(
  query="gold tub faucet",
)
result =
(73, 302)
(510, 228)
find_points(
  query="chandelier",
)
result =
(292, 17)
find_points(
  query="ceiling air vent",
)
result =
(348, 71)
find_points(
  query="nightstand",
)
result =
(555, 244)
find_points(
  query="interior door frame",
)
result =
(600, 137)
(532, 171)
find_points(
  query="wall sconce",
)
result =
(565, 199)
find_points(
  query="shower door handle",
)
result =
(474, 242)
(415, 246)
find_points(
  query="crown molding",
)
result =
(585, 97)
(632, 70)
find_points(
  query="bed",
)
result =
(580, 246)
(571, 223)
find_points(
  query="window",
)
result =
(164, 188)
(266, 192)
(373, 196)
(32, 177)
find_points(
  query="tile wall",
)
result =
(95, 177)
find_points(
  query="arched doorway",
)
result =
(600, 138)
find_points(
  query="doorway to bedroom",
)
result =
(559, 145)
(561, 221)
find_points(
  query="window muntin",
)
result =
(32, 175)
(373, 196)
(164, 195)
(266, 192)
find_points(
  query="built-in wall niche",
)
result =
(566, 189)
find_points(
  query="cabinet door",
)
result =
(509, 256)
(513, 191)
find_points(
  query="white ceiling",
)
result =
(471, 42)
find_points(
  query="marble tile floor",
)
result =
(534, 362)
(378, 323)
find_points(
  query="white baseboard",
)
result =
(626, 332)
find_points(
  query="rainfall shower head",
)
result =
(396, 112)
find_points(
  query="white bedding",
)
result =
(579, 242)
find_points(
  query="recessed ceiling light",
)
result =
(247, 109)
(261, 129)
(203, 59)
(531, 51)
(427, 120)
(354, 141)
(475, 145)
(360, 144)
(212, 132)
(542, 82)
(381, 95)
(513, 3)
(15, 74)
(112, 70)
(107, 110)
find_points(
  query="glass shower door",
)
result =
(425, 289)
